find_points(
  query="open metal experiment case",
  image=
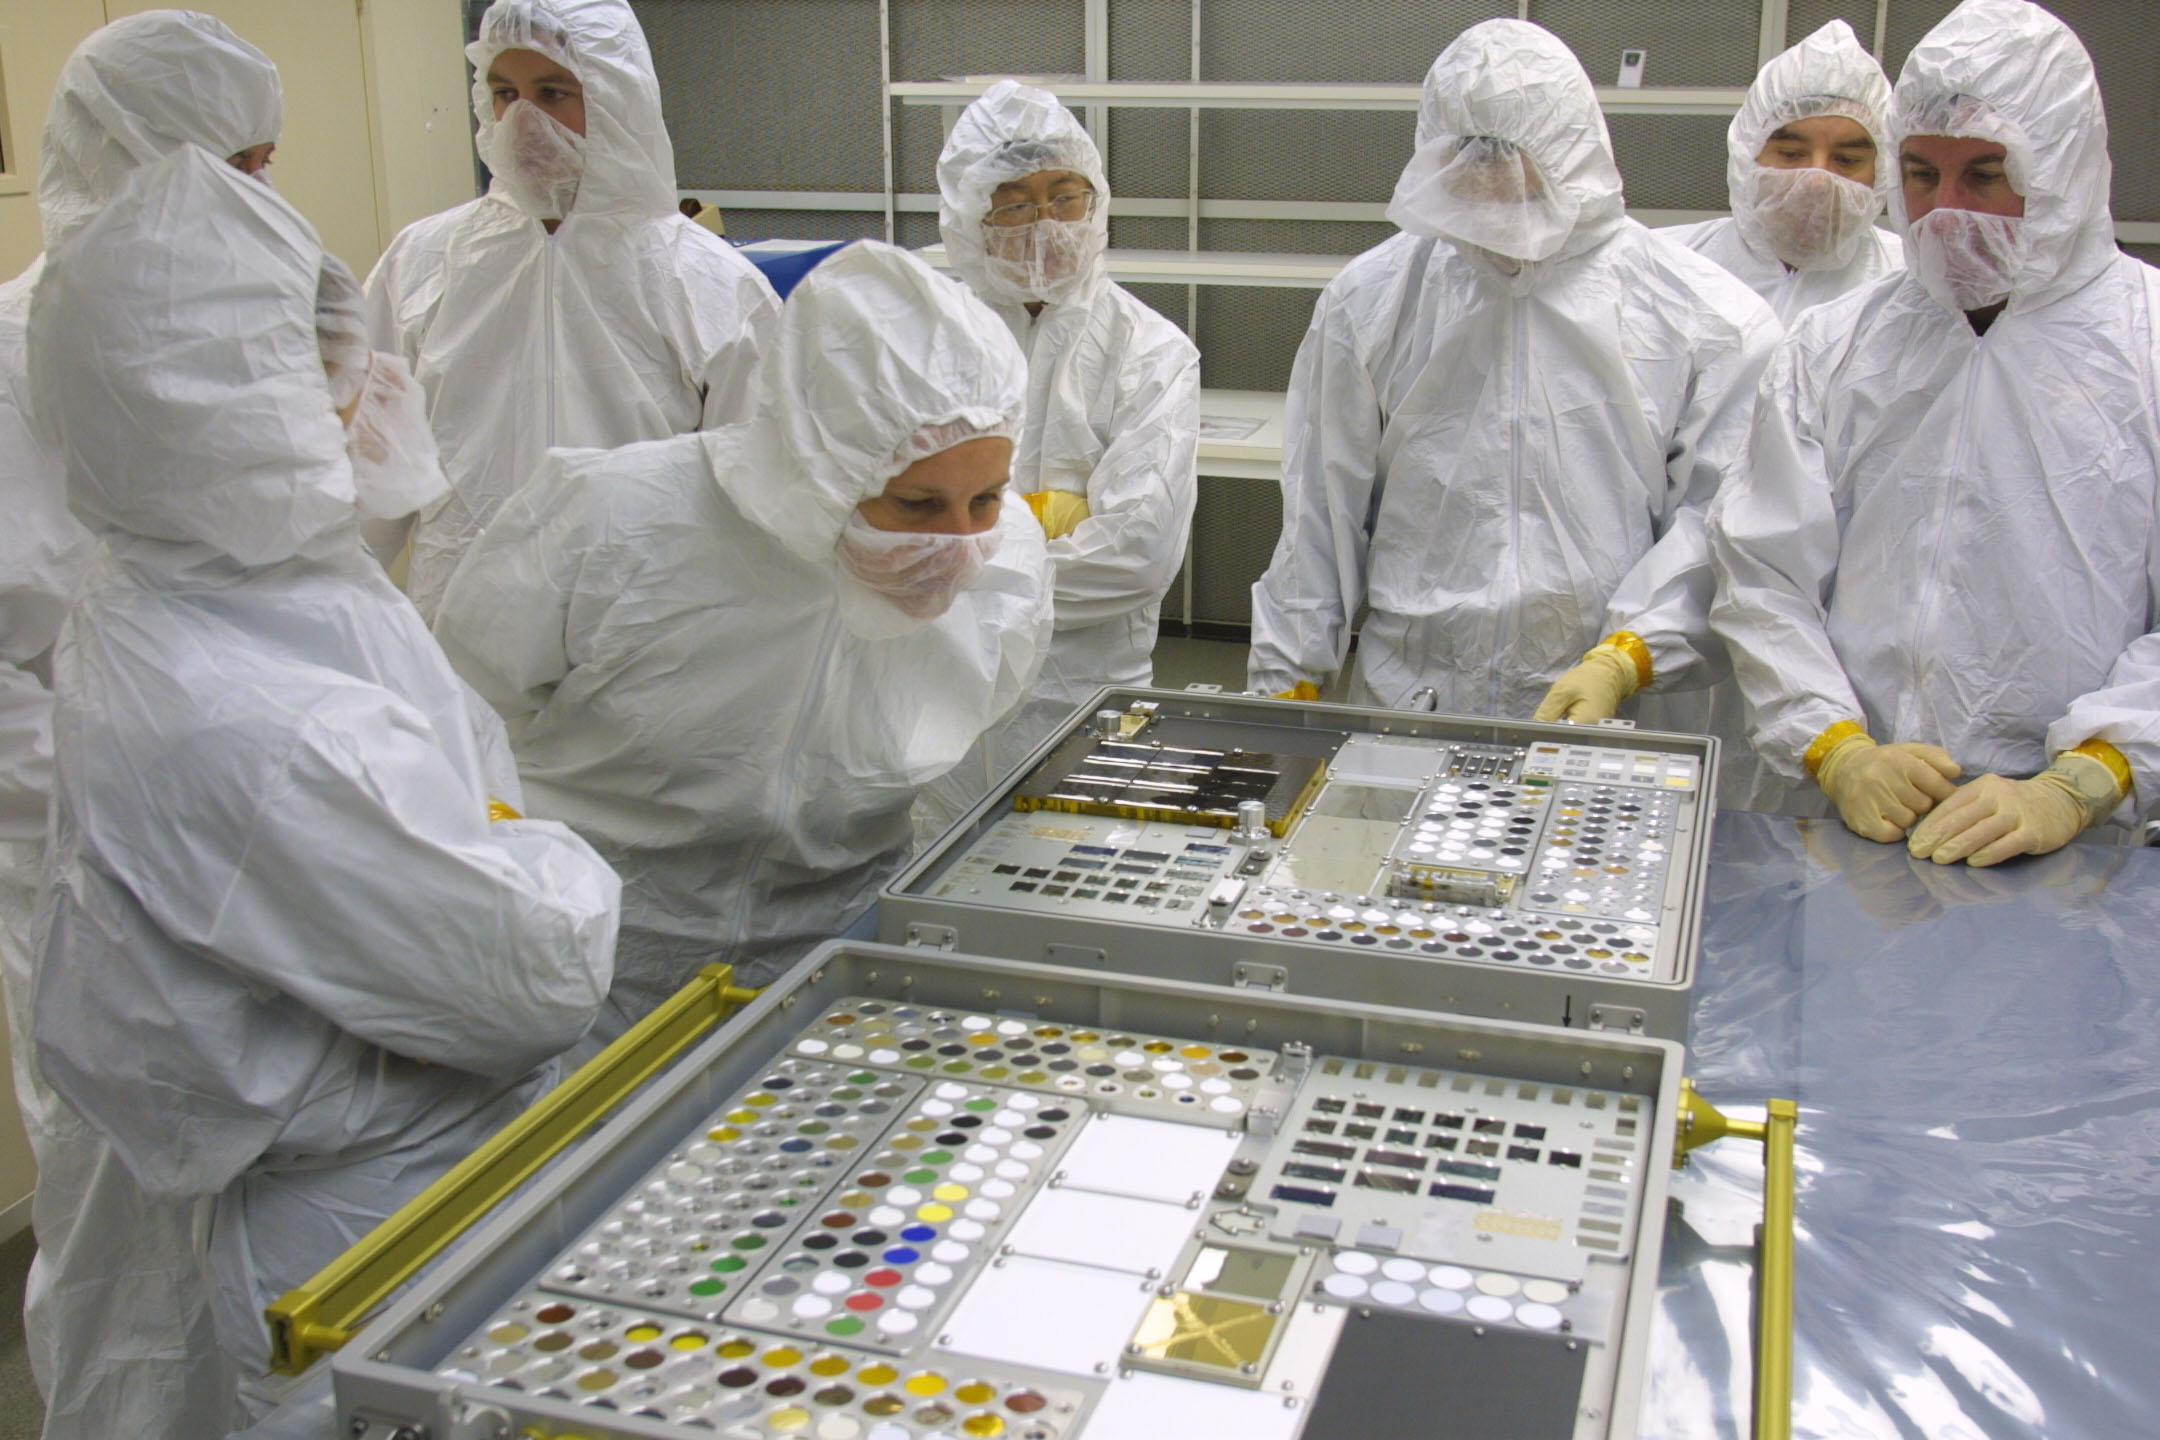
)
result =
(1278, 1154)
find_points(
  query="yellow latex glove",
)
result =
(1303, 690)
(1059, 511)
(501, 810)
(1609, 672)
(1995, 817)
(1880, 790)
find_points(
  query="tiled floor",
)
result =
(22, 1415)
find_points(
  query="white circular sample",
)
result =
(812, 1307)
(1216, 1086)
(812, 1047)
(887, 1215)
(884, 1057)
(1356, 1262)
(1008, 1117)
(1126, 1059)
(1400, 1269)
(1024, 1102)
(1452, 1277)
(1343, 1287)
(996, 1189)
(982, 1210)
(898, 1322)
(1226, 1104)
(963, 1172)
(838, 1427)
(1010, 1170)
(904, 1195)
(932, 1273)
(996, 1135)
(1011, 1027)
(976, 1022)
(1493, 1283)
(937, 1109)
(949, 1252)
(950, 1091)
(1393, 1292)
(963, 1230)
(980, 1154)
(915, 1297)
(760, 1312)
(1177, 1082)
(831, 1282)
(1026, 1150)
(1489, 1307)
(887, 1430)
(1538, 1317)
(849, 1051)
(1440, 1302)
(1544, 1292)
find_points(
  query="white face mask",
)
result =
(1483, 193)
(915, 576)
(536, 158)
(396, 469)
(1047, 260)
(1967, 259)
(1812, 219)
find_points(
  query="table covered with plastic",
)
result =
(1976, 1056)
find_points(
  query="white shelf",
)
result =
(1204, 267)
(1254, 456)
(1235, 95)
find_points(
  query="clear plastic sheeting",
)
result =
(1975, 1059)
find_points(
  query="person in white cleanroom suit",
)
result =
(1505, 414)
(1107, 453)
(572, 304)
(1808, 166)
(290, 969)
(117, 104)
(1944, 560)
(730, 659)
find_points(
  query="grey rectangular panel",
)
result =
(1235, 526)
(1671, 162)
(1284, 40)
(1401, 1374)
(806, 1220)
(1549, 873)
(933, 39)
(1304, 154)
(1690, 42)
(748, 225)
(768, 94)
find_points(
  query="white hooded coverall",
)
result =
(628, 323)
(1113, 414)
(1487, 451)
(133, 91)
(1825, 74)
(666, 630)
(289, 969)
(1953, 538)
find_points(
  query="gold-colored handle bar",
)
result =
(327, 1311)
(1701, 1123)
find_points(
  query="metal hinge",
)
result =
(932, 937)
(1619, 1017)
(1248, 975)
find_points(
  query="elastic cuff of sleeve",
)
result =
(1819, 749)
(1628, 643)
(2111, 757)
(501, 810)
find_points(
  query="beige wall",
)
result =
(377, 114)
(378, 126)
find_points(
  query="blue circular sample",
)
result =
(902, 1255)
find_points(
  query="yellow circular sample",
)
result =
(934, 1212)
(951, 1192)
(879, 1374)
(788, 1420)
(929, 1382)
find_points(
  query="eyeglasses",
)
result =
(1073, 205)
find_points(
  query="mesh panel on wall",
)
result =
(1304, 154)
(1686, 42)
(744, 226)
(1909, 20)
(1671, 162)
(1151, 39)
(1291, 40)
(932, 39)
(1804, 17)
(1248, 334)
(769, 94)
(2125, 45)
(1148, 153)
(1235, 526)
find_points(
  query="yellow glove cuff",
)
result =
(2086, 780)
(1834, 738)
(501, 810)
(2112, 758)
(1631, 646)
(1059, 512)
(1303, 690)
